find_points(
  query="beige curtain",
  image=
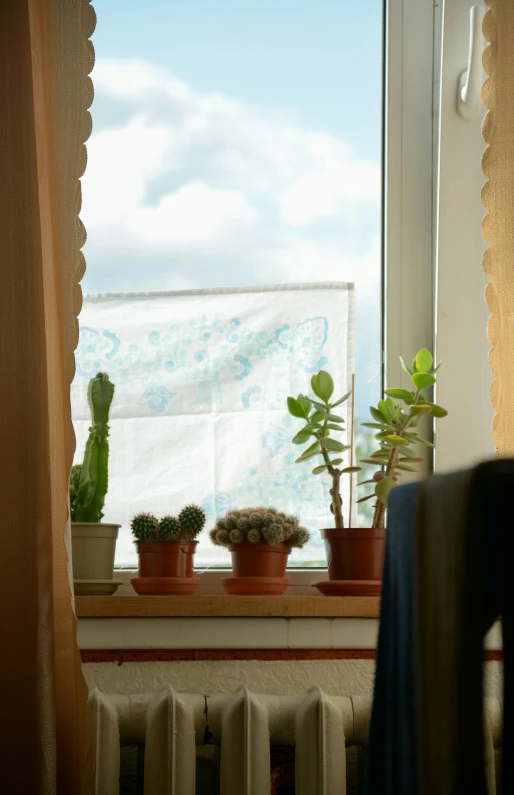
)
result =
(498, 226)
(45, 59)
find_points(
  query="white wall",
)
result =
(335, 677)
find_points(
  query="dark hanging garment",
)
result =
(445, 583)
(392, 740)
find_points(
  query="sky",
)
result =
(237, 142)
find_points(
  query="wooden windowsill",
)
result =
(228, 606)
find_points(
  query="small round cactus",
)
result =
(144, 526)
(256, 525)
(169, 528)
(192, 520)
(185, 527)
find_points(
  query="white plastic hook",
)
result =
(469, 102)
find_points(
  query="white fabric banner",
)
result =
(199, 413)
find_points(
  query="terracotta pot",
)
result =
(259, 560)
(166, 558)
(93, 546)
(354, 553)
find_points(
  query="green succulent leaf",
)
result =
(336, 461)
(382, 435)
(376, 463)
(437, 368)
(318, 416)
(323, 385)
(424, 361)
(437, 411)
(301, 437)
(400, 394)
(405, 369)
(351, 469)
(390, 407)
(319, 470)
(379, 425)
(377, 415)
(409, 458)
(333, 427)
(306, 403)
(396, 441)
(413, 437)
(422, 380)
(334, 417)
(296, 408)
(306, 456)
(383, 488)
(405, 468)
(422, 408)
(341, 400)
(384, 411)
(333, 444)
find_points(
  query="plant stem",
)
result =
(336, 499)
(335, 474)
(380, 507)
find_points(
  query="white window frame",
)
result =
(461, 312)
(411, 35)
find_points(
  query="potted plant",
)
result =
(166, 549)
(355, 555)
(93, 541)
(260, 540)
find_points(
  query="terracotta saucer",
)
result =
(165, 586)
(348, 587)
(255, 586)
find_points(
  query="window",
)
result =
(241, 145)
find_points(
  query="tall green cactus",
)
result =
(92, 488)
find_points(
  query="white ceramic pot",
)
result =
(93, 547)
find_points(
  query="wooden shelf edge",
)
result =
(227, 606)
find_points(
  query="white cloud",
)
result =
(193, 215)
(208, 181)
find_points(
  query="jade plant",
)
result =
(321, 422)
(395, 421)
(184, 527)
(265, 525)
(89, 480)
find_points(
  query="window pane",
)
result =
(239, 144)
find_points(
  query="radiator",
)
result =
(244, 724)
